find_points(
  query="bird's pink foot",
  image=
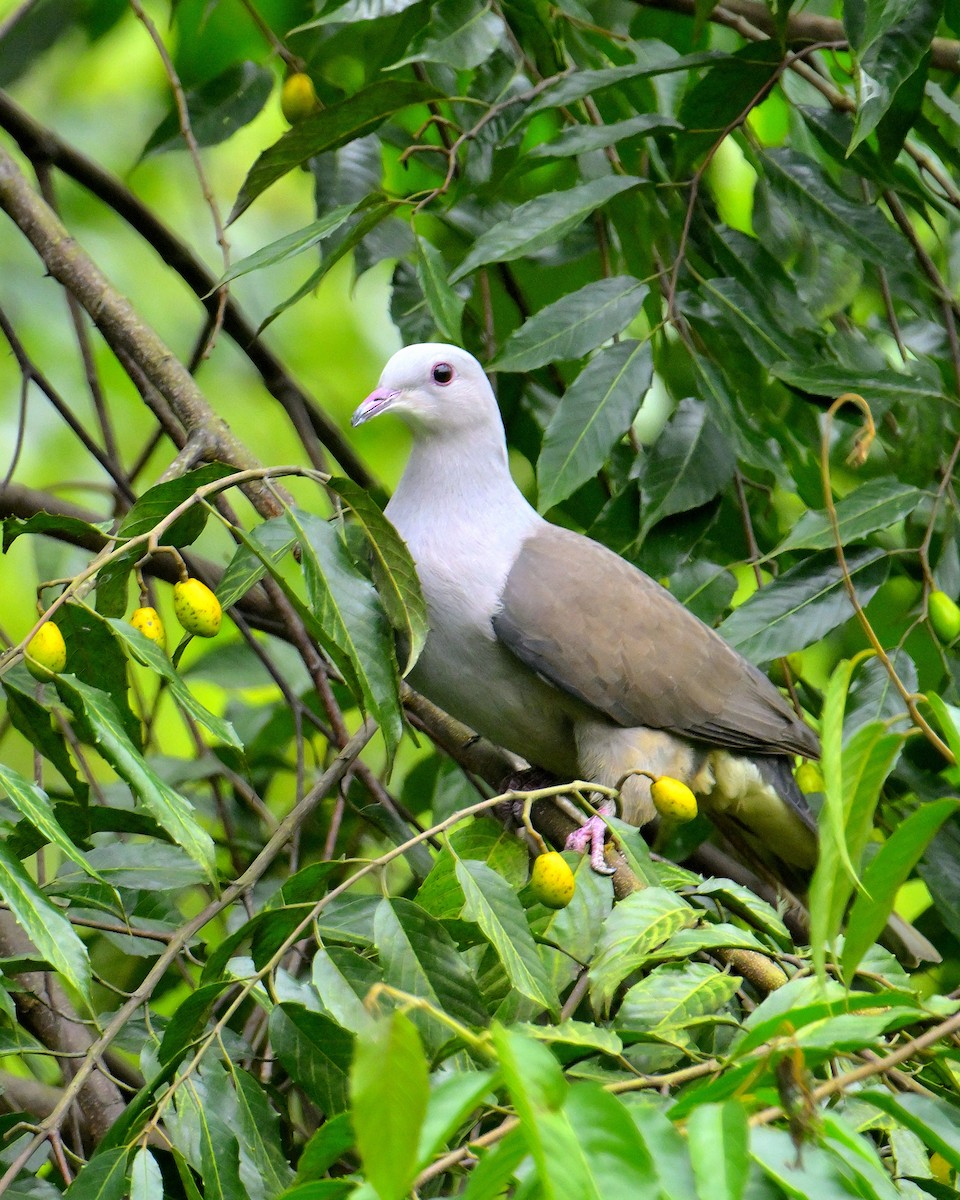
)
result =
(592, 834)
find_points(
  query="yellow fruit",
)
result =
(147, 620)
(944, 616)
(46, 651)
(197, 608)
(298, 98)
(809, 778)
(673, 799)
(552, 880)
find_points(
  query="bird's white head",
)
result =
(435, 389)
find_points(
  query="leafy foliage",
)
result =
(254, 940)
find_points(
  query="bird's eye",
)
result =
(442, 373)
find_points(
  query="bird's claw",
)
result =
(592, 833)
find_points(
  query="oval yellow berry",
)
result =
(147, 620)
(944, 616)
(552, 880)
(46, 651)
(197, 608)
(298, 99)
(673, 799)
(809, 778)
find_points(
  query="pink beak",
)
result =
(375, 403)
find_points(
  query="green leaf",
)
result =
(35, 805)
(582, 139)
(419, 956)
(638, 924)
(877, 505)
(267, 543)
(146, 1182)
(573, 325)
(263, 1162)
(892, 55)
(807, 192)
(347, 611)
(150, 655)
(689, 464)
(717, 1136)
(726, 90)
(446, 307)
(933, 1119)
(292, 244)
(218, 108)
(32, 718)
(344, 122)
(85, 533)
(169, 809)
(368, 221)
(541, 222)
(674, 996)
(654, 58)
(394, 573)
(44, 925)
(593, 413)
(103, 1178)
(880, 388)
(316, 1053)
(461, 34)
(884, 875)
(493, 905)
(452, 1100)
(803, 604)
(389, 1089)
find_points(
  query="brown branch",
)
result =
(41, 145)
(44, 1009)
(802, 28)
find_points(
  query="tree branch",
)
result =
(42, 145)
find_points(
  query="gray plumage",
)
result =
(554, 647)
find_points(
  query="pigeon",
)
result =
(557, 649)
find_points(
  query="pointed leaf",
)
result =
(803, 604)
(493, 905)
(152, 656)
(395, 574)
(446, 307)
(389, 1088)
(877, 505)
(218, 108)
(44, 925)
(36, 806)
(884, 875)
(292, 244)
(690, 463)
(168, 808)
(103, 1178)
(352, 118)
(573, 325)
(542, 222)
(594, 412)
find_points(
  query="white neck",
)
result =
(456, 482)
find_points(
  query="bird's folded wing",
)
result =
(595, 626)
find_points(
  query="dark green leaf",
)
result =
(802, 605)
(574, 325)
(217, 109)
(541, 222)
(103, 1178)
(315, 1051)
(394, 572)
(293, 244)
(44, 925)
(688, 464)
(446, 307)
(326, 130)
(462, 34)
(581, 139)
(593, 413)
(877, 505)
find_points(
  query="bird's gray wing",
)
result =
(593, 625)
